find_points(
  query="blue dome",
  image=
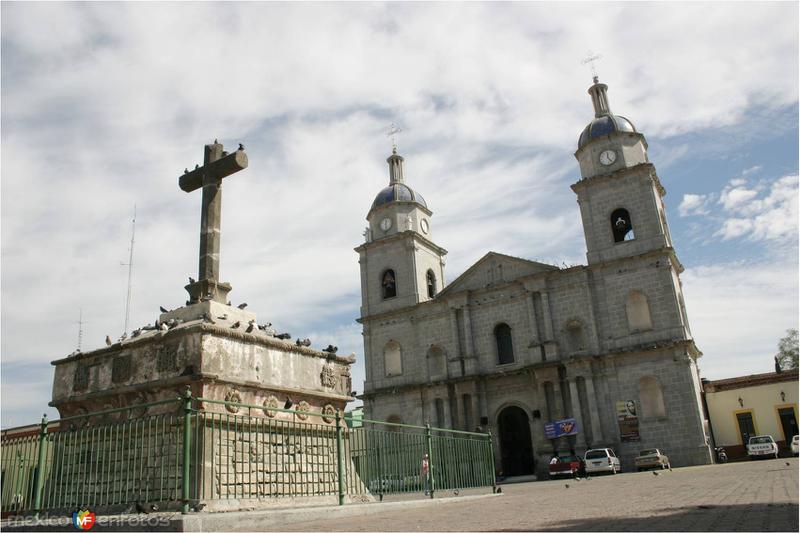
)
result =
(604, 125)
(398, 192)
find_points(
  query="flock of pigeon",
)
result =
(221, 321)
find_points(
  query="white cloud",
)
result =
(104, 104)
(738, 311)
(766, 212)
(693, 204)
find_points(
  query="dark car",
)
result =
(567, 465)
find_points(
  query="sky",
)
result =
(105, 104)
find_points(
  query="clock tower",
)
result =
(619, 193)
(401, 266)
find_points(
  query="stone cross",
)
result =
(589, 60)
(217, 164)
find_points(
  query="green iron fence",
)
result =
(192, 450)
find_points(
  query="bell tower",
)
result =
(619, 193)
(400, 264)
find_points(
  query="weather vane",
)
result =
(590, 59)
(392, 133)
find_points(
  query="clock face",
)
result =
(386, 223)
(424, 226)
(607, 157)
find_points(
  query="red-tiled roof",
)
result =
(750, 381)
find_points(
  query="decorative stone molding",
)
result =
(302, 410)
(328, 413)
(270, 404)
(233, 396)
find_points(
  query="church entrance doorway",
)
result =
(516, 450)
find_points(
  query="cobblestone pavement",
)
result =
(750, 496)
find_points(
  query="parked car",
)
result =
(390, 483)
(794, 445)
(651, 458)
(601, 460)
(762, 446)
(568, 465)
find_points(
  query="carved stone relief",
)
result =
(270, 404)
(327, 376)
(328, 413)
(233, 396)
(302, 410)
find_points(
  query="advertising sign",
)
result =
(560, 428)
(628, 421)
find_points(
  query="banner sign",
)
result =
(560, 428)
(628, 421)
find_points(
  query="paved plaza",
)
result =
(750, 496)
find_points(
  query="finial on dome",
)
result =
(392, 133)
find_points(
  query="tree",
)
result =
(787, 350)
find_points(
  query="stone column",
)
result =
(548, 322)
(532, 317)
(591, 399)
(580, 438)
(469, 348)
(454, 330)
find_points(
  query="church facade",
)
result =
(551, 360)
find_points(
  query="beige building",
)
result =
(512, 345)
(761, 404)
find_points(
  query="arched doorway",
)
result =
(516, 450)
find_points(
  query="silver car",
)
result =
(601, 460)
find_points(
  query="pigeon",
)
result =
(787, 464)
(163, 326)
(566, 485)
(108, 341)
(655, 473)
(331, 349)
(288, 404)
(208, 318)
(224, 153)
(251, 326)
(196, 166)
(455, 492)
(191, 280)
(136, 332)
(223, 317)
(241, 146)
(262, 327)
(124, 336)
(185, 170)
(162, 309)
(216, 142)
(284, 336)
(236, 325)
(148, 327)
(499, 490)
(241, 306)
(303, 342)
(199, 507)
(229, 302)
(146, 508)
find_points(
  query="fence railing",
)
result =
(191, 450)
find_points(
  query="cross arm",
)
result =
(218, 169)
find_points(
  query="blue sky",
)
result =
(105, 104)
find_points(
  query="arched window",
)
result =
(651, 398)
(621, 225)
(638, 311)
(389, 284)
(393, 359)
(505, 348)
(437, 368)
(575, 336)
(430, 278)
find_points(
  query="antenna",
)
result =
(129, 264)
(590, 59)
(80, 327)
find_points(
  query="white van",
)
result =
(762, 446)
(601, 460)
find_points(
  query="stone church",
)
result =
(518, 347)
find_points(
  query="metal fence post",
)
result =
(429, 447)
(37, 502)
(491, 461)
(187, 447)
(339, 456)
